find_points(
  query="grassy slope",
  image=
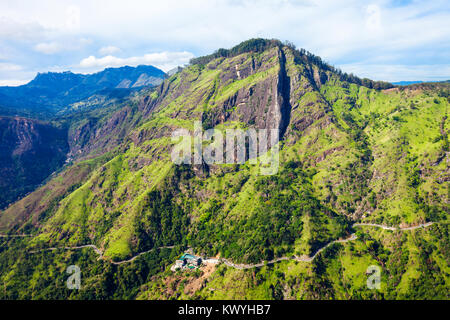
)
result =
(377, 156)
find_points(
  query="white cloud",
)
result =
(399, 72)
(6, 67)
(13, 83)
(341, 32)
(163, 60)
(373, 22)
(14, 75)
(48, 47)
(20, 30)
(73, 14)
(109, 50)
(68, 44)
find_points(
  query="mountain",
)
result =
(31, 151)
(171, 72)
(362, 181)
(49, 93)
(407, 83)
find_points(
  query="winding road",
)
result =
(305, 258)
(228, 263)
(100, 253)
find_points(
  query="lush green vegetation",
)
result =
(349, 153)
(43, 275)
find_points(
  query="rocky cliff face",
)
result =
(30, 152)
(322, 119)
(94, 136)
(32, 149)
(348, 153)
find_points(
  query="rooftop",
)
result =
(188, 256)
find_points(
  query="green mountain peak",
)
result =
(351, 150)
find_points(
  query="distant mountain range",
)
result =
(51, 92)
(406, 83)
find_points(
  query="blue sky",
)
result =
(383, 40)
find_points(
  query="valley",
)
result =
(46, 125)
